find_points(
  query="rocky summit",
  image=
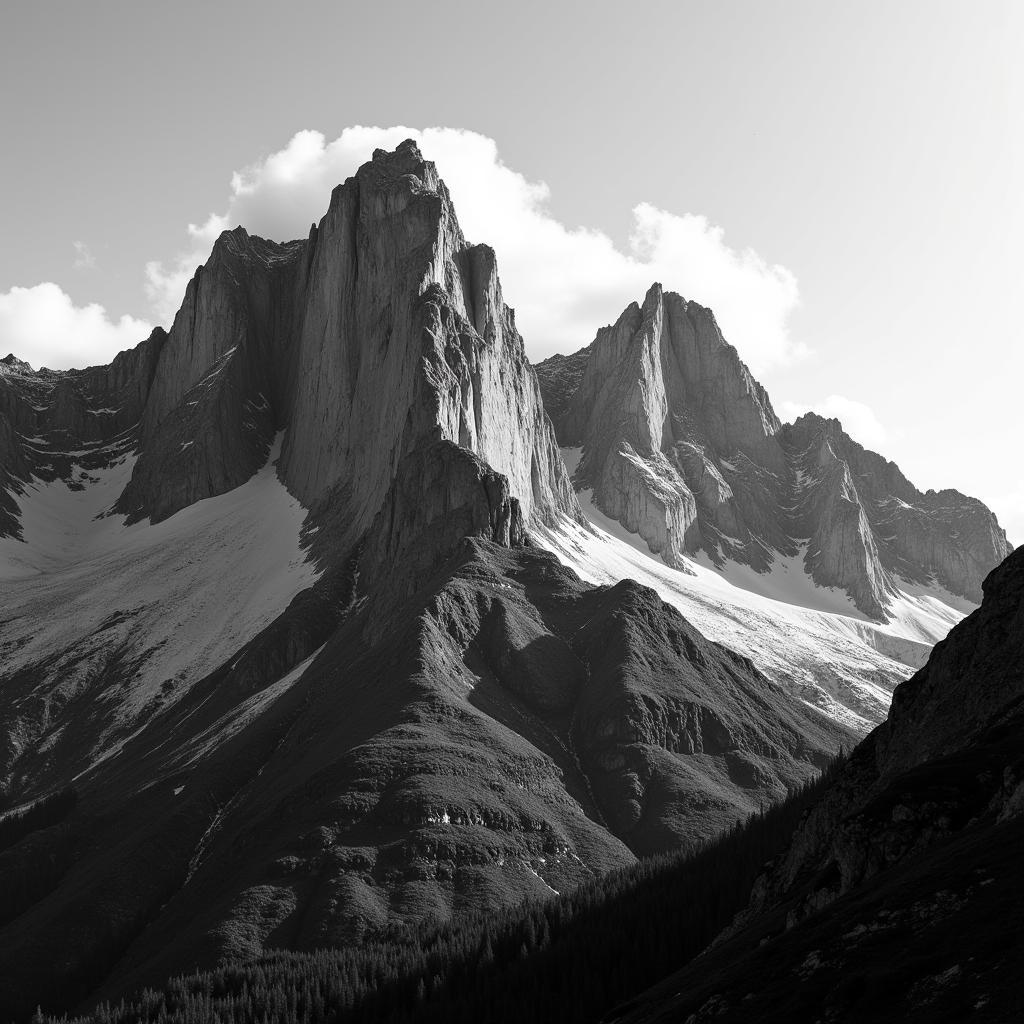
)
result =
(385, 298)
(282, 662)
(681, 445)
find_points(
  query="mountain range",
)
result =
(324, 614)
(682, 446)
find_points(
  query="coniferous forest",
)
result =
(571, 959)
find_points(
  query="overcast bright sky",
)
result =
(839, 181)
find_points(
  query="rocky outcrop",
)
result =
(57, 410)
(220, 385)
(678, 438)
(559, 378)
(441, 494)
(660, 395)
(681, 445)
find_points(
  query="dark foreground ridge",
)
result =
(901, 895)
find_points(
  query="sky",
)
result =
(839, 182)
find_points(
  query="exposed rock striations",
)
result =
(398, 304)
(385, 298)
(681, 445)
(220, 388)
(888, 525)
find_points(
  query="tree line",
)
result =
(570, 959)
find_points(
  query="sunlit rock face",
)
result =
(681, 445)
(398, 304)
(383, 331)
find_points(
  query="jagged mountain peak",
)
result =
(682, 446)
(407, 151)
(404, 159)
(12, 364)
(384, 297)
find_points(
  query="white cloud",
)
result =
(84, 259)
(563, 282)
(858, 420)
(43, 326)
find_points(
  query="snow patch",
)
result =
(169, 602)
(811, 639)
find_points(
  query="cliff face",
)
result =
(681, 445)
(907, 785)
(385, 298)
(220, 386)
(891, 527)
(382, 332)
(398, 305)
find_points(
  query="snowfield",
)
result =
(811, 639)
(105, 625)
(85, 596)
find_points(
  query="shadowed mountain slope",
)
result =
(900, 894)
(505, 731)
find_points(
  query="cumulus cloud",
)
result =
(564, 282)
(43, 326)
(858, 420)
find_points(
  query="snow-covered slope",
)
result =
(105, 624)
(810, 638)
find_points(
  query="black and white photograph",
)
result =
(508, 512)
